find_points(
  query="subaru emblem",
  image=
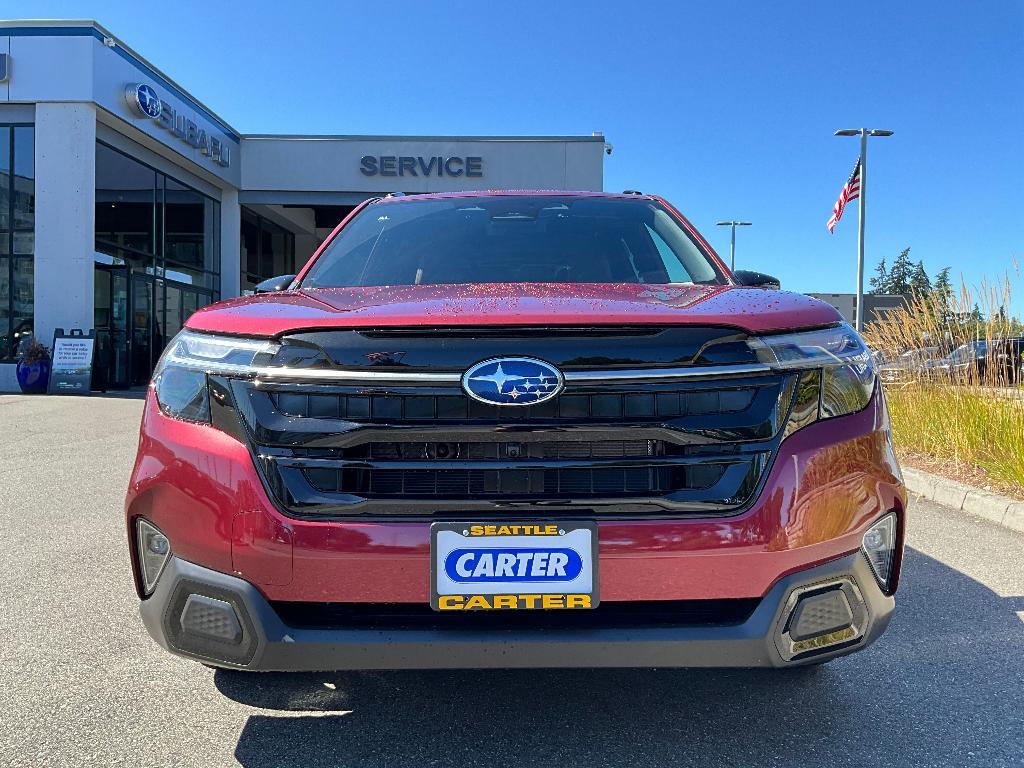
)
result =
(513, 381)
(144, 100)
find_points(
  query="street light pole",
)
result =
(732, 247)
(862, 210)
(732, 240)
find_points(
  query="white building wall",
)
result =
(57, 68)
(65, 158)
(5, 88)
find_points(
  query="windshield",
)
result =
(919, 355)
(512, 239)
(969, 351)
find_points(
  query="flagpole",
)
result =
(862, 205)
(862, 209)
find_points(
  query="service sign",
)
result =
(547, 565)
(71, 366)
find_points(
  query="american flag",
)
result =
(850, 191)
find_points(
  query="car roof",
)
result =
(516, 193)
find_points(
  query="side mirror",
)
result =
(756, 279)
(279, 283)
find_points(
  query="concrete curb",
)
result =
(1000, 510)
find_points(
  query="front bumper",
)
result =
(268, 644)
(828, 483)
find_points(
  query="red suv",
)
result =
(516, 429)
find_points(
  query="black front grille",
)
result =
(387, 408)
(416, 616)
(417, 448)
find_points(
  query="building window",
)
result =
(154, 223)
(267, 250)
(191, 236)
(157, 261)
(17, 236)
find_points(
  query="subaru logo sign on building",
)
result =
(146, 102)
(143, 99)
(513, 381)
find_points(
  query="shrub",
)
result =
(965, 413)
(33, 352)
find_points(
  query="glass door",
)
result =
(144, 347)
(111, 369)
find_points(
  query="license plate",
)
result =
(547, 565)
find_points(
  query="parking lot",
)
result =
(84, 685)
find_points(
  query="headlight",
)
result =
(837, 371)
(180, 379)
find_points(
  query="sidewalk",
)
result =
(1000, 510)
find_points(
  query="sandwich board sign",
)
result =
(71, 366)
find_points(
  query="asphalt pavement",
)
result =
(81, 683)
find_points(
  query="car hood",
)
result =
(755, 310)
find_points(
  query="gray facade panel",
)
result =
(412, 165)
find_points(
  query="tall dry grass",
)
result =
(961, 420)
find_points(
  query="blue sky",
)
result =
(727, 109)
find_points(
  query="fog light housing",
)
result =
(879, 547)
(825, 613)
(154, 551)
(211, 618)
(821, 618)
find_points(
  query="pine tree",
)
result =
(943, 287)
(942, 298)
(901, 274)
(880, 282)
(919, 282)
(976, 323)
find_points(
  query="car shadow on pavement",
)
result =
(942, 687)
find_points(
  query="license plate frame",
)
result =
(559, 539)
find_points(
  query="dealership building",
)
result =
(126, 204)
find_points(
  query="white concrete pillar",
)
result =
(230, 244)
(65, 159)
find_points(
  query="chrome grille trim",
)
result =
(696, 372)
(588, 377)
(332, 375)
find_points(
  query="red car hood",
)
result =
(754, 310)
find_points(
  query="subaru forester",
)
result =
(515, 429)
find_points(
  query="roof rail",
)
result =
(631, 192)
(395, 194)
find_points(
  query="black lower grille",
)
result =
(645, 613)
(469, 483)
(509, 449)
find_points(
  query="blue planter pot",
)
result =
(34, 377)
